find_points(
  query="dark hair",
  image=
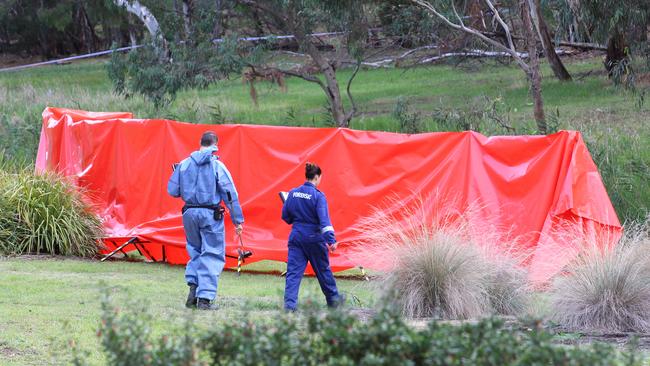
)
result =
(209, 138)
(312, 170)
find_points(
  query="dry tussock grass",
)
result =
(445, 266)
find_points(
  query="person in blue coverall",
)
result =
(312, 235)
(203, 182)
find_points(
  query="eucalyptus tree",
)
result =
(447, 12)
(198, 60)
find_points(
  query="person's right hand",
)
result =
(332, 247)
(239, 228)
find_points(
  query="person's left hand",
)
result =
(238, 229)
(332, 247)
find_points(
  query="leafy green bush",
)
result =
(338, 338)
(45, 214)
(409, 121)
(190, 65)
(127, 339)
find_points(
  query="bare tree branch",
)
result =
(353, 108)
(503, 24)
(144, 14)
(531, 69)
(583, 45)
(306, 77)
(460, 20)
(477, 33)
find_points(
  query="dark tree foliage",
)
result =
(50, 28)
(620, 25)
(410, 24)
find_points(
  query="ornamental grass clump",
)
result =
(445, 267)
(44, 213)
(607, 287)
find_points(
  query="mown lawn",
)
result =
(47, 302)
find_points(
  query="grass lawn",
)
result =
(46, 302)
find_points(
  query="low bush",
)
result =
(338, 338)
(127, 339)
(45, 214)
(607, 288)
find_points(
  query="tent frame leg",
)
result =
(135, 244)
(133, 240)
(121, 250)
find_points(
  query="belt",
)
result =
(210, 207)
(218, 210)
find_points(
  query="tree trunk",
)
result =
(475, 12)
(257, 22)
(188, 9)
(144, 14)
(331, 85)
(133, 39)
(549, 48)
(476, 21)
(88, 32)
(217, 30)
(534, 75)
(334, 98)
(616, 52)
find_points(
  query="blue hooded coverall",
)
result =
(311, 233)
(203, 180)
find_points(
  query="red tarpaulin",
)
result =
(531, 185)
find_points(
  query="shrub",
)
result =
(338, 338)
(45, 214)
(445, 267)
(489, 116)
(409, 120)
(126, 337)
(607, 288)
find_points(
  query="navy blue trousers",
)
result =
(318, 257)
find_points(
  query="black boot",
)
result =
(204, 304)
(338, 302)
(191, 296)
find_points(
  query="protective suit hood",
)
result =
(204, 155)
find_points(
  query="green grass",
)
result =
(47, 302)
(85, 85)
